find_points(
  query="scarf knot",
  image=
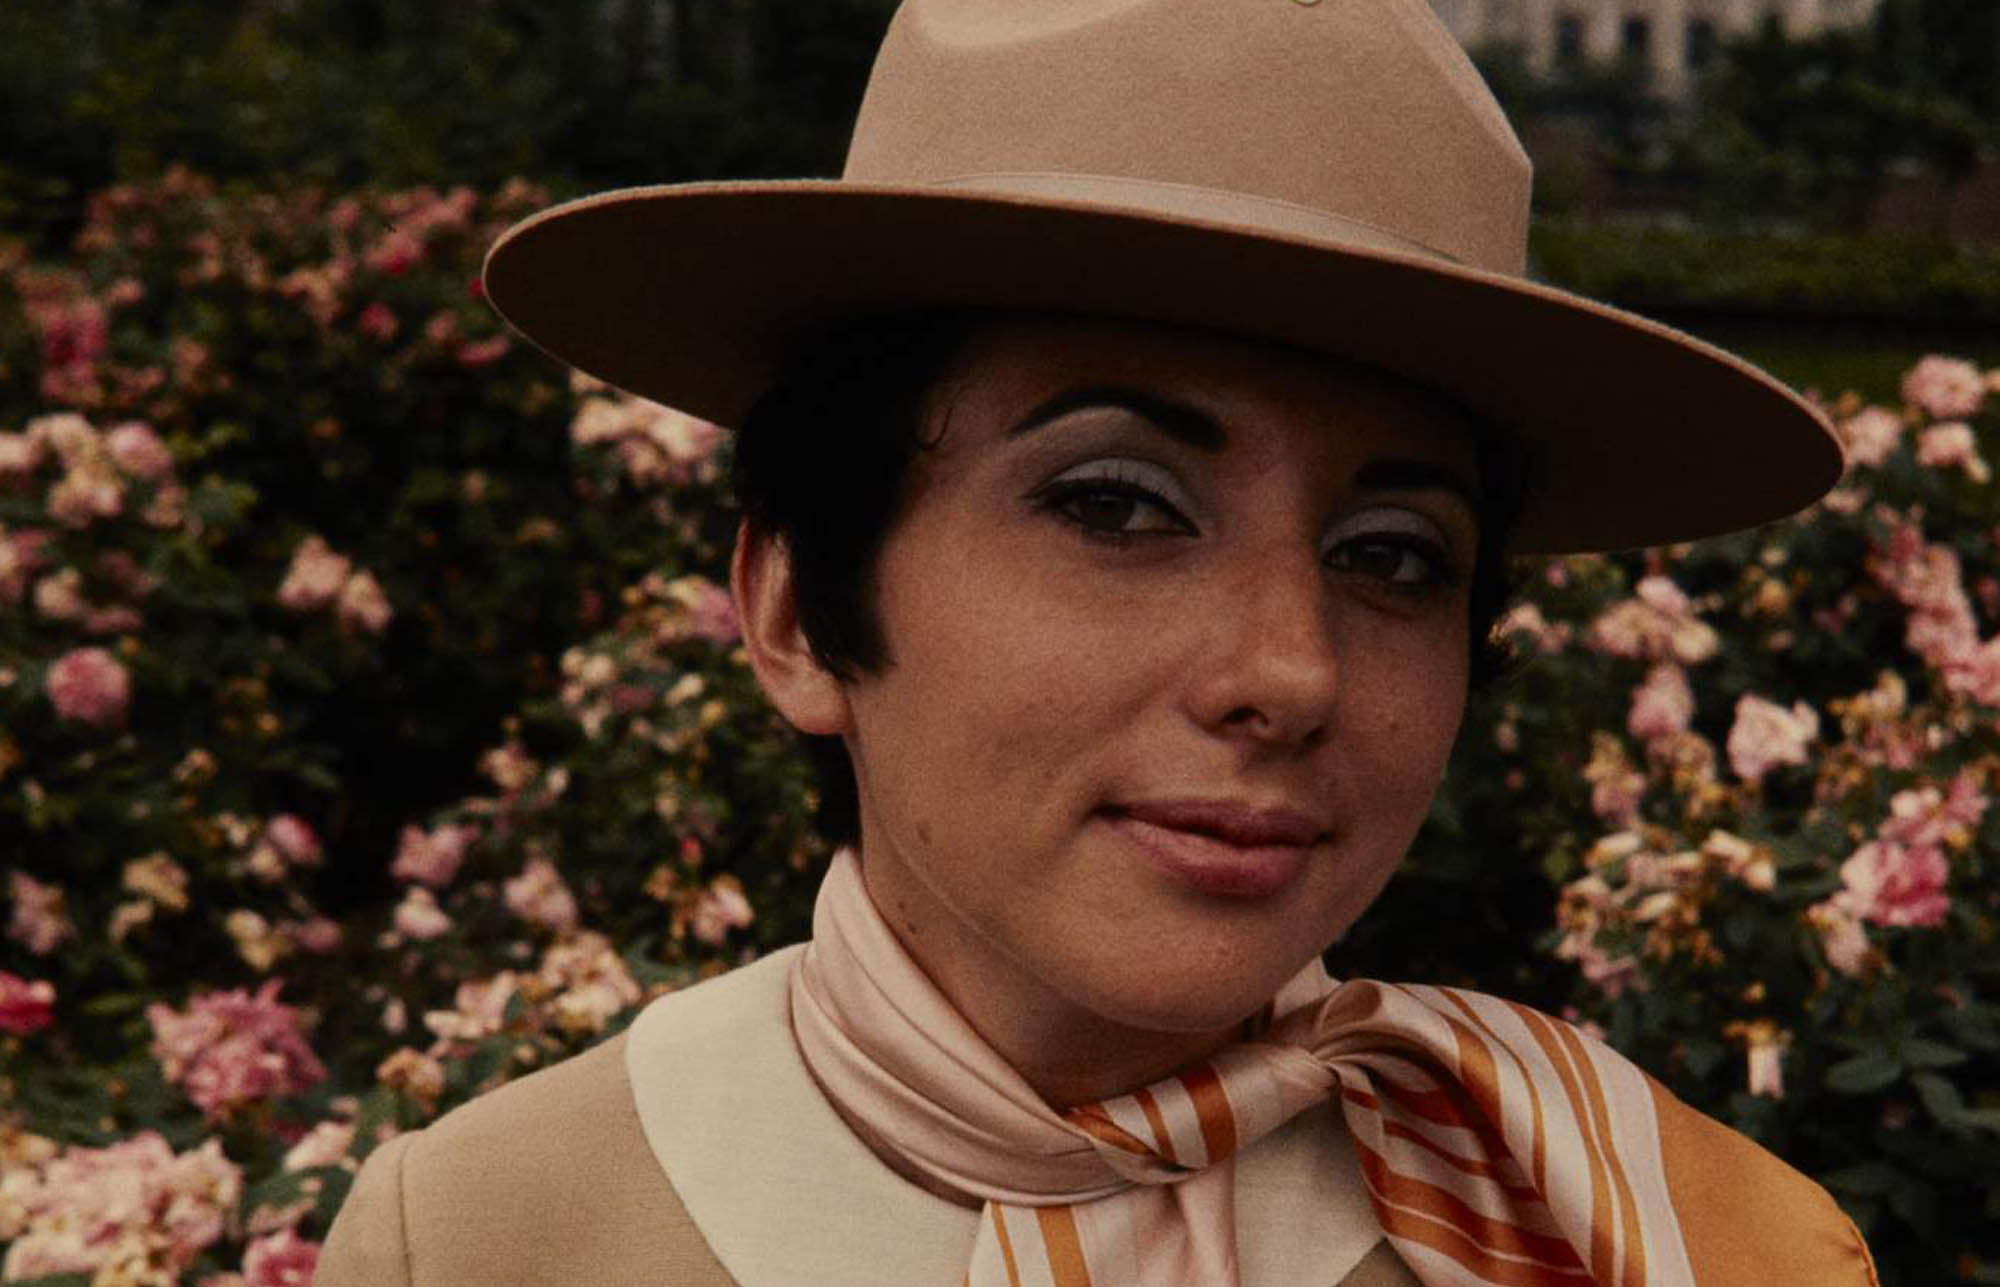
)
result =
(1499, 1146)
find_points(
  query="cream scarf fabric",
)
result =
(1499, 1145)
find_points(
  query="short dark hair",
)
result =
(821, 462)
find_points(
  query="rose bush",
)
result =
(373, 730)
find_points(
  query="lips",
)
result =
(1220, 848)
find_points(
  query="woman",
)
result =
(1129, 445)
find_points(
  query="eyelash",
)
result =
(1439, 571)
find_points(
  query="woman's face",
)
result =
(1178, 645)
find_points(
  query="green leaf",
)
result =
(1863, 1073)
(1918, 1053)
(1941, 1099)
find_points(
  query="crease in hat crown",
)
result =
(1367, 112)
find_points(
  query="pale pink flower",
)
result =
(40, 921)
(1895, 884)
(326, 1144)
(20, 455)
(1944, 388)
(1657, 623)
(1871, 434)
(158, 879)
(419, 917)
(1842, 937)
(1526, 619)
(363, 605)
(1766, 735)
(315, 578)
(26, 1007)
(229, 1049)
(705, 610)
(282, 1259)
(484, 352)
(396, 253)
(139, 452)
(414, 1073)
(539, 896)
(431, 857)
(720, 908)
(589, 981)
(316, 934)
(59, 596)
(87, 492)
(1764, 1048)
(1663, 705)
(90, 686)
(133, 1212)
(479, 1009)
(294, 839)
(1952, 446)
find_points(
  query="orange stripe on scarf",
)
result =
(1409, 1193)
(1064, 1246)
(1211, 1109)
(1449, 1241)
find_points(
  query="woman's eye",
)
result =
(1111, 507)
(1403, 562)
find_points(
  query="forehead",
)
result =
(1010, 367)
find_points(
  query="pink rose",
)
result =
(363, 605)
(721, 908)
(90, 686)
(229, 1049)
(484, 352)
(707, 612)
(315, 578)
(326, 1144)
(419, 917)
(139, 452)
(1892, 884)
(40, 921)
(20, 454)
(539, 897)
(1766, 735)
(1871, 435)
(282, 1259)
(1661, 706)
(294, 839)
(1944, 388)
(26, 1008)
(431, 857)
(378, 322)
(1952, 446)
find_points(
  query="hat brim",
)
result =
(1636, 433)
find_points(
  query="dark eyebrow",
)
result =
(1181, 421)
(1403, 473)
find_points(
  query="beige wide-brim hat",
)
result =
(1326, 174)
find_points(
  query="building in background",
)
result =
(1675, 39)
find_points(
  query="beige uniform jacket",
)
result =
(696, 1150)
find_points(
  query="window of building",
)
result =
(1700, 43)
(1635, 39)
(1569, 39)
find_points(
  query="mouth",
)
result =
(1224, 849)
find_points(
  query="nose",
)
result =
(1269, 673)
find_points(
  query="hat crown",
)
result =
(1363, 110)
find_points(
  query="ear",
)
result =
(810, 698)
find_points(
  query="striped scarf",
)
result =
(1499, 1146)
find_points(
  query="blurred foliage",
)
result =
(348, 91)
(1798, 131)
(1663, 268)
